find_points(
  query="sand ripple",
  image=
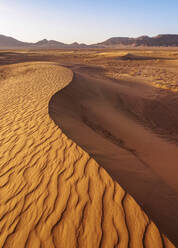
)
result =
(52, 194)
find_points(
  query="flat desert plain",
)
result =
(88, 148)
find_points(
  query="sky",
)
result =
(87, 21)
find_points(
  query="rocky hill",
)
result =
(158, 41)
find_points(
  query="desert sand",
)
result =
(52, 193)
(98, 118)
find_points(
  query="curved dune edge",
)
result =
(52, 194)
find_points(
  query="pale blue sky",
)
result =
(86, 21)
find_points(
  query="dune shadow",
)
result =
(92, 113)
(131, 56)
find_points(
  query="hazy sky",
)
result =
(86, 21)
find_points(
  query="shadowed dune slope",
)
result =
(94, 113)
(52, 194)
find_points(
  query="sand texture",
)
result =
(100, 117)
(52, 194)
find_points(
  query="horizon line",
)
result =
(131, 37)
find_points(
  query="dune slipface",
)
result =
(52, 194)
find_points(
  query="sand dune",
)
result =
(130, 56)
(99, 118)
(52, 194)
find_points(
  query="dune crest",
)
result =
(52, 194)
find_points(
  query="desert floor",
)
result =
(52, 193)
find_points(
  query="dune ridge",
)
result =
(52, 193)
(99, 118)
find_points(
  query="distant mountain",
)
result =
(160, 40)
(49, 44)
(11, 43)
(164, 40)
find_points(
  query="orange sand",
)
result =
(52, 194)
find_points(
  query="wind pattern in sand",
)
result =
(52, 194)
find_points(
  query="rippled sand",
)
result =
(52, 194)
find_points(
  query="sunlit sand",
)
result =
(52, 194)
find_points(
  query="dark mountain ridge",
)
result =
(164, 40)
